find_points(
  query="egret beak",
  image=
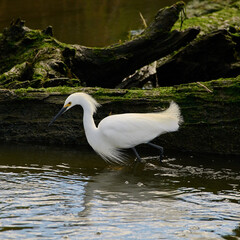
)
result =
(63, 110)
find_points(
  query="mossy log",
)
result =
(212, 56)
(211, 114)
(107, 67)
(34, 58)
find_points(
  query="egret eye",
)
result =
(68, 104)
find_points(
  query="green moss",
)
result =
(2, 78)
(21, 91)
(37, 39)
(60, 89)
(38, 51)
(28, 47)
(225, 17)
(226, 91)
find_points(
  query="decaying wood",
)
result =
(30, 58)
(213, 56)
(107, 67)
(138, 79)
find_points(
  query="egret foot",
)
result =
(137, 155)
(139, 163)
(159, 148)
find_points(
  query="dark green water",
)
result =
(86, 22)
(57, 193)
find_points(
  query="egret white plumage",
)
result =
(122, 131)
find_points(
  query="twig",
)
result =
(37, 55)
(207, 89)
(183, 16)
(143, 20)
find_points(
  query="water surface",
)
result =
(85, 22)
(57, 193)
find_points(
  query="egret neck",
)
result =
(88, 122)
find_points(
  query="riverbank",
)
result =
(211, 113)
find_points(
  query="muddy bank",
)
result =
(211, 118)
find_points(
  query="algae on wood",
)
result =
(214, 53)
(30, 57)
(211, 15)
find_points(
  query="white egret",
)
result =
(122, 131)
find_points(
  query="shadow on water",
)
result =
(53, 193)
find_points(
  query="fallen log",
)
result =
(33, 58)
(212, 56)
(211, 114)
(107, 67)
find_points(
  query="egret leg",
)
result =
(137, 155)
(159, 148)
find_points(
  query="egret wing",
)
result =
(128, 130)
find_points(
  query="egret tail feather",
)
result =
(114, 156)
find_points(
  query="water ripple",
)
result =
(69, 195)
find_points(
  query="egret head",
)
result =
(83, 99)
(69, 102)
